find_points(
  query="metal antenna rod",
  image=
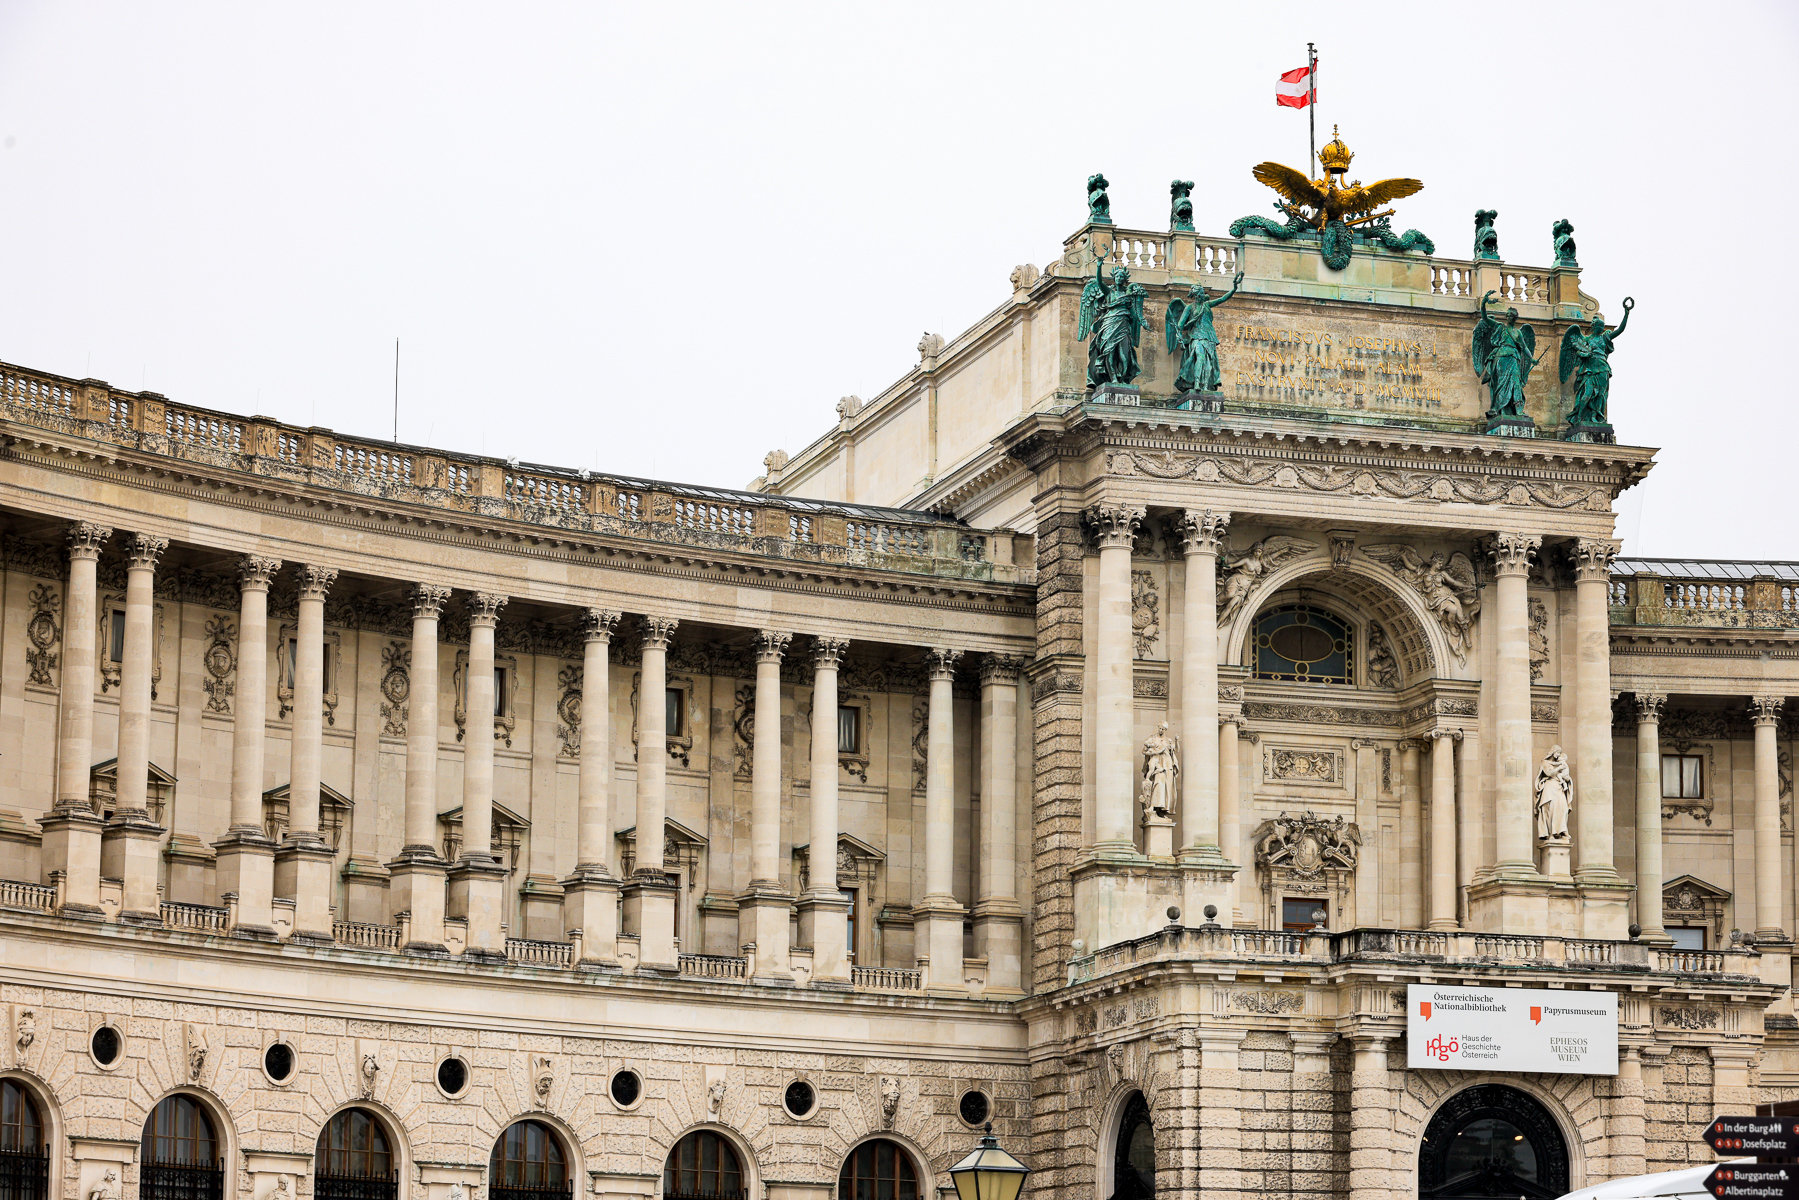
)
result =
(396, 390)
(1312, 103)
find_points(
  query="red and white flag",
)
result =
(1296, 89)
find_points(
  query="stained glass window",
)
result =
(1297, 643)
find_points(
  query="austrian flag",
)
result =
(1296, 89)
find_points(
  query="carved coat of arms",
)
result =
(1308, 845)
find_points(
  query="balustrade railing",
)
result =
(1518, 287)
(886, 539)
(886, 979)
(289, 448)
(1267, 941)
(712, 966)
(799, 528)
(539, 491)
(203, 430)
(1138, 251)
(1708, 961)
(539, 954)
(36, 395)
(715, 518)
(1450, 280)
(379, 466)
(1595, 952)
(16, 893)
(629, 504)
(202, 918)
(1216, 258)
(1706, 597)
(365, 935)
(1501, 945)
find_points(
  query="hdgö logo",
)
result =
(1441, 1049)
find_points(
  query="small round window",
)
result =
(974, 1108)
(800, 1099)
(452, 1076)
(106, 1045)
(278, 1062)
(626, 1089)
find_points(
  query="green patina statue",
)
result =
(1099, 205)
(1586, 355)
(1504, 353)
(1486, 237)
(1113, 314)
(1564, 243)
(1192, 337)
(1180, 206)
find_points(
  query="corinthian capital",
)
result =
(144, 549)
(1202, 531)
(1649, 707)
(658, 632)
(254, 572)
(1765, 710)
(428, 600)
(771, 644)
(598, 624)
(941, 663)
(484, 608)
(1593, 558)
(1114, 525)
(1512, 552)
(315, 582)
(827, 652)
(86, 538)
(1001, 668)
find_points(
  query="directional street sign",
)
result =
(1754, 1181)
(1764, 1137)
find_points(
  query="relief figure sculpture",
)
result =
(1587, 356)
(1238, 573)
(1554, 797)
(1446, 583)
(1194, 339)
(1161, 763)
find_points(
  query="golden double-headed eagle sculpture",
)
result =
(1328, 199)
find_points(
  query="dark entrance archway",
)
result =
(1492, 1140)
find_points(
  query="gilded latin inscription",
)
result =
(1306, 366)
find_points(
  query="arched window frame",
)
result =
(26, 1166)
(903, 1155)
(558, 1160)
(348, 1173)
(746, 1166)
(160, 1178)
(1133, 1112)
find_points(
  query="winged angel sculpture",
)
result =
(1193, 337)
(1334, 209)
(1239, 573)
(1113, 314)
(1504, 353)
(1586, 355)
(1446, 584)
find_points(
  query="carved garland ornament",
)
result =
(220, 661)
(568, 709)
(1690, 1018)
(1145, 612)
(43, 631)
(1270, 1003)
(396, 688)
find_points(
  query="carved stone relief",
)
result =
(1539, 639)
(396, 688)
(1146, 625)
(743, 729)
(921, 735)
(1270, 1003)
(43, 632)
(1689, 1018)
(1289, 764)
(220, 660)
(568, 709)
(1383, 667)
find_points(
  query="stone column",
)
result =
(246, 856)
(1512, 553)
(1230, 832)
(823, 911)
(1371, 1136)
(416, 877)
(304, 860)
(1605, 896)
(1202, 534)
(590, 895)
(1769, 906)
(937, 919)
(998, 917)
(132, 841)
(1221, 1115)
(649, 908)
(765, 910)
(1411, 838)
(1115, 751)
(1649, 816)
(1443, 877)
(478, 879)
(72, 830)
(1367, 815)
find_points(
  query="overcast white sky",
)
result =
(663, 240)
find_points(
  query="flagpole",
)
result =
(1312, 102)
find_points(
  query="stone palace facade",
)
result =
(383, 822)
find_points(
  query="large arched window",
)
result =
(527, 1164)
(1134, 1158)
(1300, 643)
(354, 1160)
(1492, 1140)
(703, 1166)
(878, 1170)
(24, 1155)
(180, 1153)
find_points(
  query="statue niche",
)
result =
(1307, 855)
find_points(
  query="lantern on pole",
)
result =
(989, 1173)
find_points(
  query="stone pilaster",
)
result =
(1649, 817)
(1221, 1114)
(1605, 894)
(132, 842)
(1115, 754)
(590, 895)
(765, 910)
(823, 910)
(1367, 815)
(1374, 1173)
(938, 917)
(416, 877)
(1443, 877)
(1230, 821)
(246, 855)
(1202, 535)
(303, 861)
(998, 917)
(1769, 906)
(72, 830)
(649, 896)
(477, 880)
(1411, 838)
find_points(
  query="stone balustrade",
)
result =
(1682, 594)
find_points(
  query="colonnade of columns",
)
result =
(80, 848)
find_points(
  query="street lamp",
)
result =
(989, 1173)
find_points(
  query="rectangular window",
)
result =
(287, 663)
(115, 642)
(672, 711)
(499, 691)
(849, 729)
(1683, 776)
(1298, 914)
(850, 895)
(1688, 938)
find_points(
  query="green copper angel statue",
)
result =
(1587, 357)
(1192, 337)
(1504, 353)
(1113, 314)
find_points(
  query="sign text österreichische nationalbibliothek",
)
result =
(1511, 1029)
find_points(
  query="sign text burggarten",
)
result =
(1511, 1029)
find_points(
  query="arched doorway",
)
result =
(703, 1166)
(24, 1151)
(527, 1164)
(1492, 1140)
(1134, 1156)
(878, 1170)
(180, 1153)
(354, 1159)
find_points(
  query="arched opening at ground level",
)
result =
(1492, 1140)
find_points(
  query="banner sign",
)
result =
(1511, 1029)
